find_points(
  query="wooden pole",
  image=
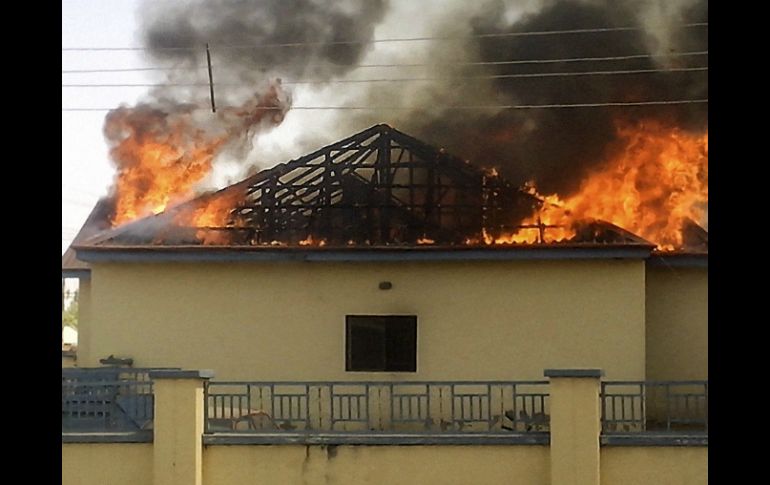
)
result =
(211, 79)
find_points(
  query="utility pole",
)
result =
(211, 79)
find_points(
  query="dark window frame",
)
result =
(381, 343)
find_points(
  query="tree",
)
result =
(69, 317)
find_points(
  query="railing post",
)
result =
(179, 426)
(575, 425)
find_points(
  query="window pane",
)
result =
(381, 343)
(401, 346)
(365, 345)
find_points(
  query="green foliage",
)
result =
(69, 317)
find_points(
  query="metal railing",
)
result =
(405, 407)
(646, 406)
(106, 399)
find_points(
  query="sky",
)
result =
(86, 171)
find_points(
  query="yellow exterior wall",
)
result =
(629, 465)
(370, 465)
(131, 464)
(575, 426)
(67, 361)
(106, 463)
(85, 358)
(286, 320)
(178, 428)
(677, 323)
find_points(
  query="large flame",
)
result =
(655, 178)
(162, 153)
(160, 168)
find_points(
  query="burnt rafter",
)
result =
(379, 186)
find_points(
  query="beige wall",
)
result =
(629, 465)
(106, 463)
(575, 426)
(85, 357)
(677, 323)
(277, 321)
(370, 465)
(67, 361)
(130, 464)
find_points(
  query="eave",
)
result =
(679, 259)
(219, 254)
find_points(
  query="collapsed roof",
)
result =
(377, 188)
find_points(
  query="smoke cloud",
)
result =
(243, 35)
(166, 147)
(557, 147)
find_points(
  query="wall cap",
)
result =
(595, 373)
(143, 436)
(653, 439)
(377, 438)
(182, 374)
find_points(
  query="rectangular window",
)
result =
(381, 343)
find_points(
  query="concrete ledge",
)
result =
(596, 373)
(674, 260)
(363, 438)
(654, 439)
(83, 274)
(150, 254)
(182, 374)
(145, 436)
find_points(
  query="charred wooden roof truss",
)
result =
(379, 186)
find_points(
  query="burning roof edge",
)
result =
(96, 223)
(103, 245)
(158, 221)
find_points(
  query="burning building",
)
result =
(560, 225)
(378, 188)
(410, 287)
(384, 227)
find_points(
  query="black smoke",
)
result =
(553, 147)
(247, 65)
(556, 147)
(243, 35)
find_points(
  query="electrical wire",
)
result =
(416, 79)
(423, 64)
(377, 41)
(467, 107)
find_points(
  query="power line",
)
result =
(467, 107)
(75, 195)
(425, 64)
(377, 41)
(131, 69)
(79, 188)
(418, 79)
(78, 203)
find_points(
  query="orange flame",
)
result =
(213, 211)
(160, 169)
(654, 179)
(162, 153)
(310, 241)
